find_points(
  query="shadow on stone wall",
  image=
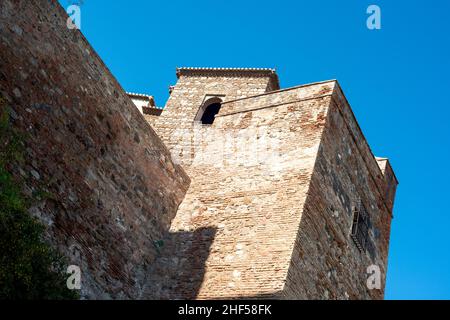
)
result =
(179, 268)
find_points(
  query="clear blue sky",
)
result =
(396, 79)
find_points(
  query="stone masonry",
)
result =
(114, 186)
(279, 197)
(278, 175)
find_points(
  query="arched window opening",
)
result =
(210, 113)
(208, 110)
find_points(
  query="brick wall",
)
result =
(175, 124)
(326, 263)
(282, 211)
(250, 172)
(273, 181)
(114, 186)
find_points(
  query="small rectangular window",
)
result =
(360, 228)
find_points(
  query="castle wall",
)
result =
(176, 122)
(326, 263)
(114, 188)
(282, 225)
(274, 180)
(250, 173)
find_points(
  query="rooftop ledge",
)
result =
(265, 72)
(271, 70)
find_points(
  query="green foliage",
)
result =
(29, 267)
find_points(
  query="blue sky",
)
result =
(396, 80)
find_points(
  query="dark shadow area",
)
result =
(179, 269)
(152, 111)
(210, 113)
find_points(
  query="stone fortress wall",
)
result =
(279, 175)
(260, 203)
(114, 186)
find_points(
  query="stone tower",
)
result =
(299, 204)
